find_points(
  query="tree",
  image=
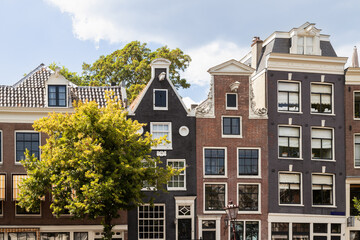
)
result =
(94, 164)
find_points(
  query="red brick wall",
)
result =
(254, 134)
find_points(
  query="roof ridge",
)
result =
(28, 75)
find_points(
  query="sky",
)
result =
(70, 32)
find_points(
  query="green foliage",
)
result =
(92, 163)
(71, 76)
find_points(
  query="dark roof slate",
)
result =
(30, 91)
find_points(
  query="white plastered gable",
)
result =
(307, 32)
(231, 67)
(57, 79)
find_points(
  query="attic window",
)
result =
(160, 99)
(305, 45)
(57, 96)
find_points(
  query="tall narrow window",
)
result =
(321, 143)
(214, 197)
(354, 192)
(2, 192)
(231, 101)
(322, 188)
(288, 97)
(160, 99)
(356, 104)
(248, 162)
(57, 96)
(214, 161)
(151, 221)
(289, 142)
(321, 98)
(16, 191)
(305, 45)
(248, 197)
(357, 151)
(177, 182)
(161, 129)
(290, 188)
(29, 141)
(231, 126)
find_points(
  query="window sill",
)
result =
(324, 160)
(231, 136)
(290, 112)
(323, 114)
(289, 158)
(249, 212)
(291, 205)
(176, 189)
(231, 108)
(215, 176)
(323, 206)
(214, 212)
(161, 149)
(249, 176)
(161, 108)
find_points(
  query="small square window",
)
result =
(160, 99)
(29, 141)
(321, 98)
(57, 96)
(231, 101)
(231, 126)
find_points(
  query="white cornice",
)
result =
(27, 115)
(231, 67)
(352, 76)
(305, 63)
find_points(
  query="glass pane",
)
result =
(231, 100)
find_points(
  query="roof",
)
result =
(30, 91)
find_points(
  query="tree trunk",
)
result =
(107, 227)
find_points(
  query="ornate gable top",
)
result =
(232, 67)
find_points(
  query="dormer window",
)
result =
(160, 99)
(56, 95)
(305, 45)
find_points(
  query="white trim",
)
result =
(226, 103)
(299, 96)
(332, 98)
(179, 201)
(244, 227)
(300, 141)
(238, 69)
(354, 135)
(332, 147)
(301, 204)
(216, 218)
(166, 146)
(166, 96)
(229, 135)
(184, 174)
(47, 95)
(138, 219)
(225, 200)
(225, 163)
(333, 191)
(259, 162)
(25, 131)
(259, 198)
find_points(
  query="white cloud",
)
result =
(209, 56)
(188, 101)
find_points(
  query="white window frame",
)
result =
(25, 131)
(244, 227)
(15, 200)
(151, 188)
(332, 147)
(166, 146)
(226, 101)
(299, 96)
(225, 163)
(259, 198)
(185, 201)
(300, 142)
(229, 135)
(138, 219)
(304, 47)
(167, 99)
(216, 218)
(259, 162)
(333, 191)
(225, 201)
(354, 92)
(301, 189)
(332, 98)
(354, 141)
(183, 173)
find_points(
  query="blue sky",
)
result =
(70, 32)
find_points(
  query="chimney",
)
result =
(256, 48)
(355, 59)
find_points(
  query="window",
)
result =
(149, 185)
(248, 197)
(279, 231)
(354, 192)
(301, 231)
(305, 45)
(209, 229)
(214, 197)
(320, 231)
(288, 97)
(160, 129)
(354, 235)
(57, 96)
(248, 162)
(81, 236)
(356, 104)
(177, 182)
(231, 101)
(2, 192)
(16, 191)
(160, 99)
(231, 126)
(290, 188)
(22, 236)
(214, 162)
(289, 142)
(321, 143)
(357, 151)
(151, 221)
(321, 98)
(245, 230)
(27, 140)
(55, 236)
(322, 188)
(1, 146)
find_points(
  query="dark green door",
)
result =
(184, 229)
